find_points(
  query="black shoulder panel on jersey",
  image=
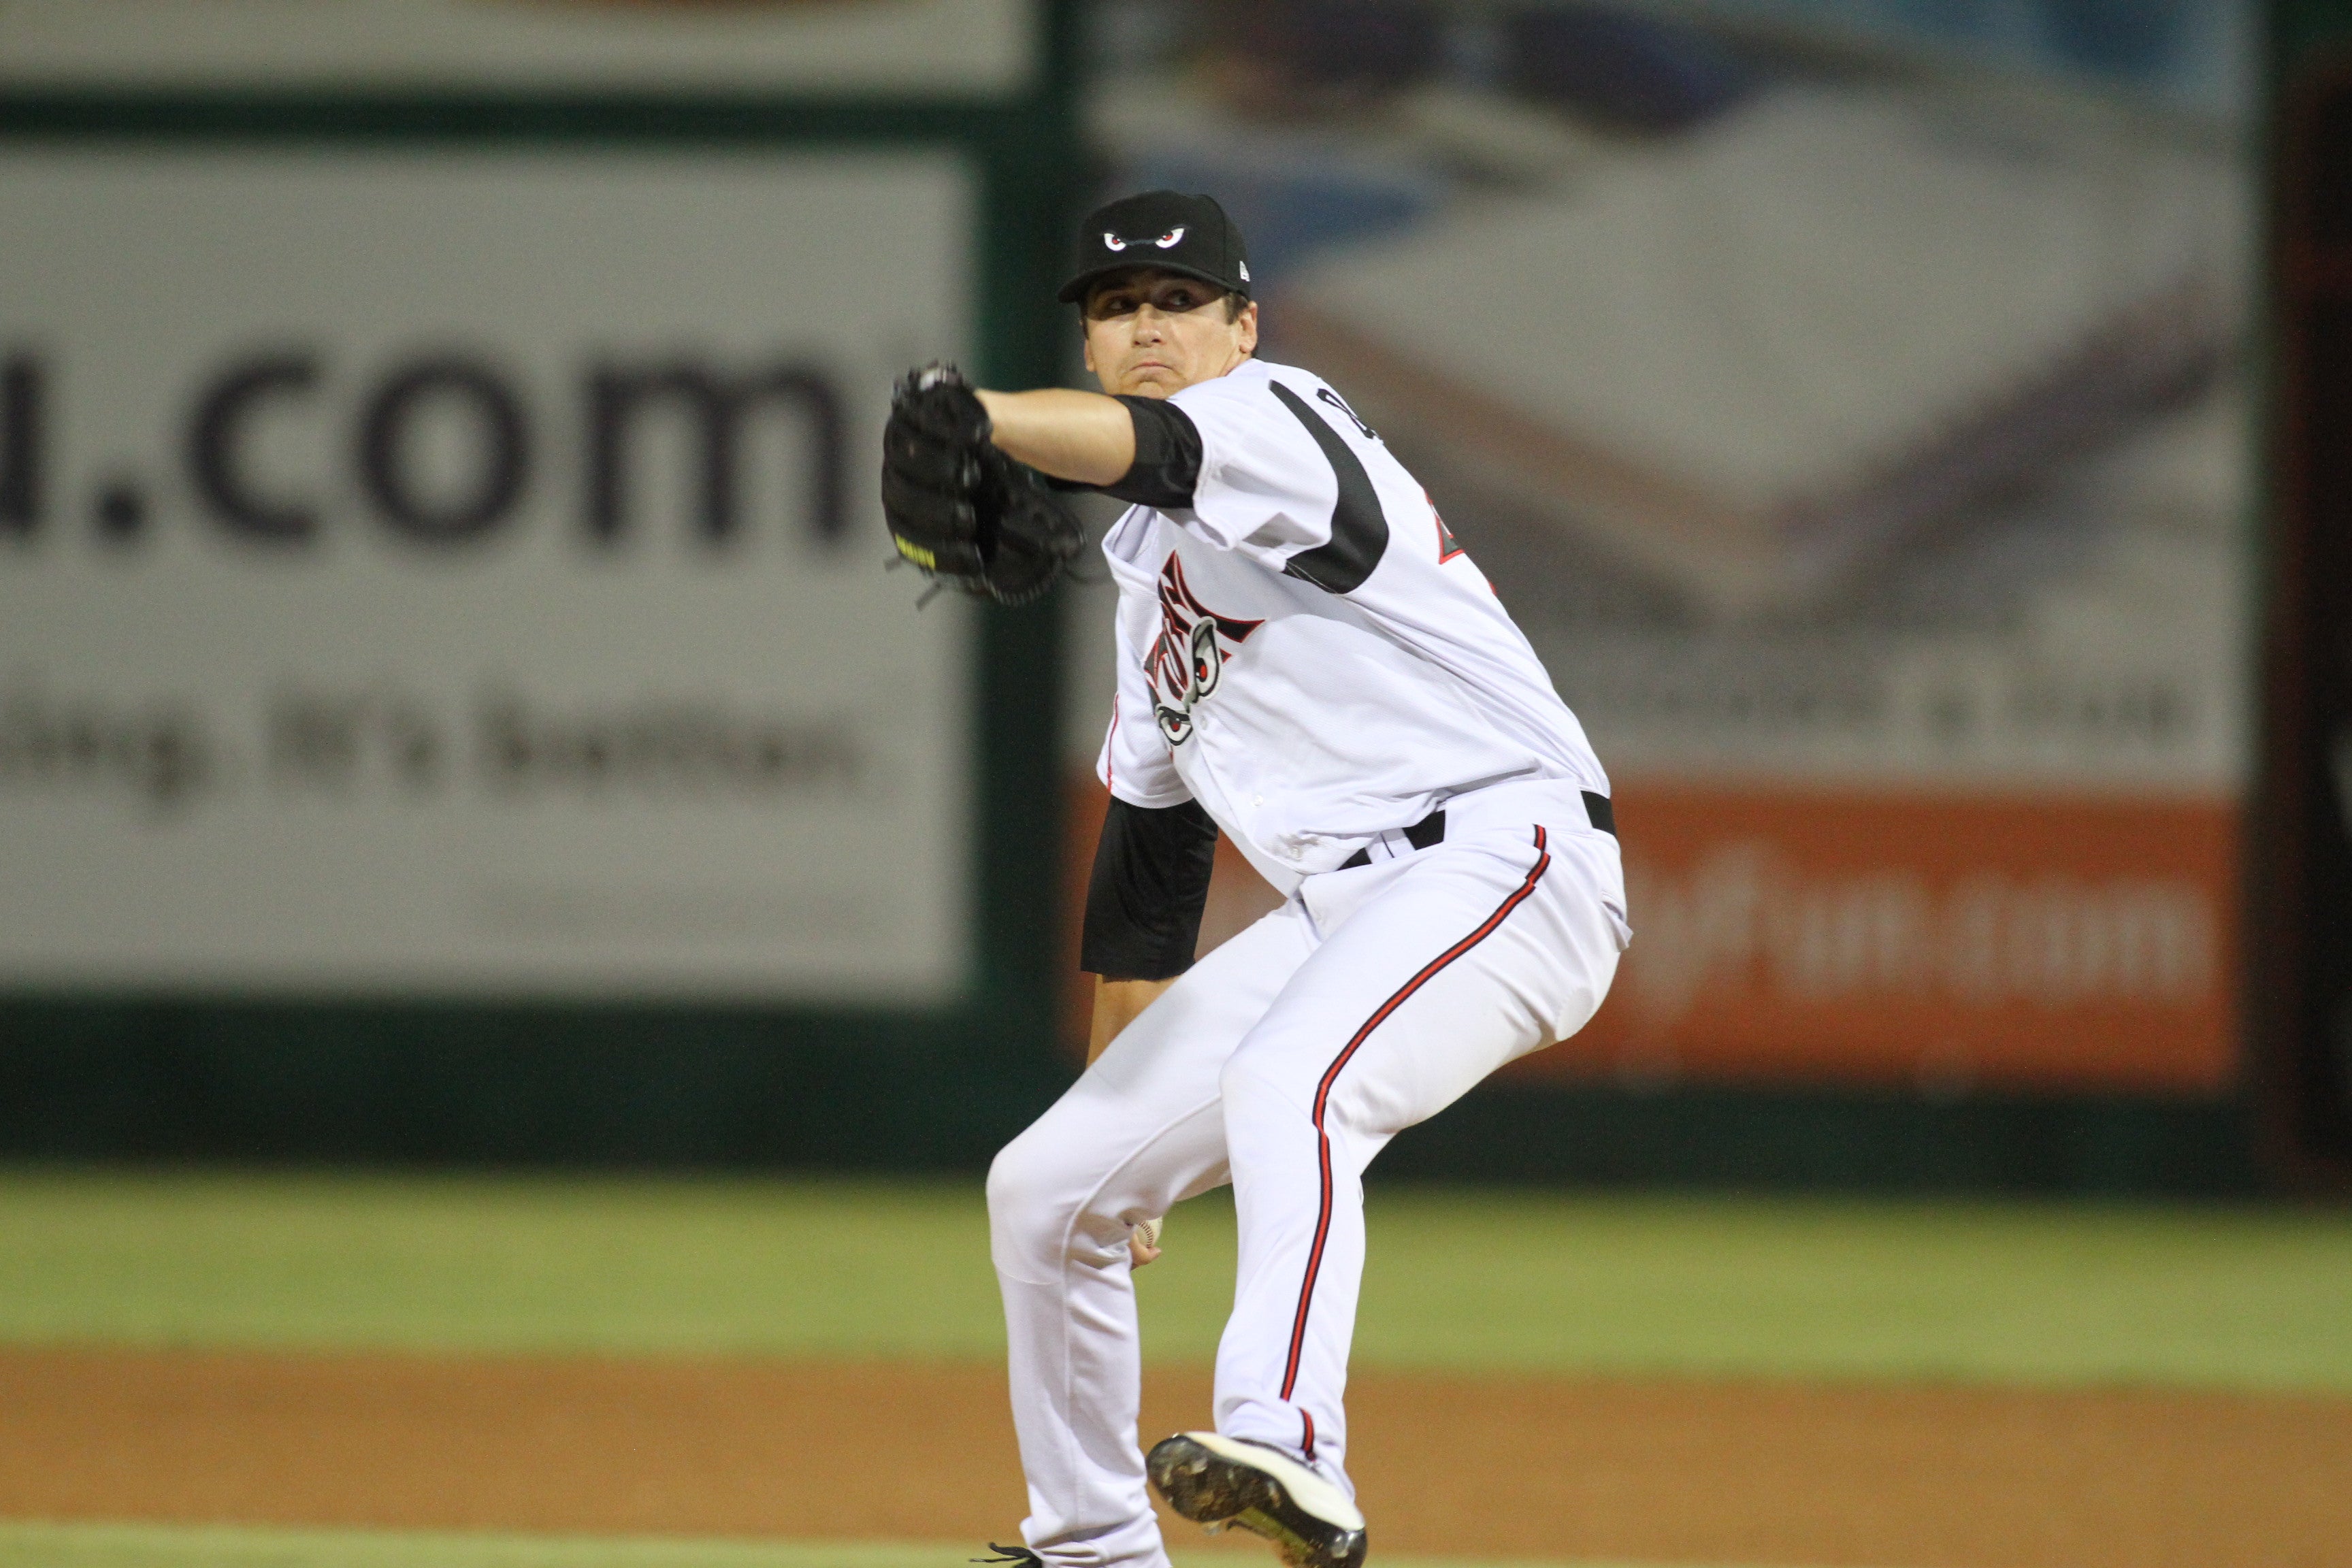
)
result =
(1167, 464)
(1359, 529)
(1149, 884)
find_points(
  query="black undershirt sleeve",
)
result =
(1151, 882)
(1167, 457)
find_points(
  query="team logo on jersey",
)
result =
(1166, 242)
(1188, 659)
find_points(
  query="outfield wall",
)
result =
(450, 709)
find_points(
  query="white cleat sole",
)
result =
(1215, 1480)
(1307, 1489)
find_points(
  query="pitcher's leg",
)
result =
(1139, 1131)
(1478, 954)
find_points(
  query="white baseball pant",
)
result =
(1282, 1062)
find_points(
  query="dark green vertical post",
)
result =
(2300, 861)
(1029, 186)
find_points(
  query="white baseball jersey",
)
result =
(1305, 650)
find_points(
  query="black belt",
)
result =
(1431, 829)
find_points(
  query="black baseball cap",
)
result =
(1162, 229)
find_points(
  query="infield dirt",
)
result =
(1525, 1467)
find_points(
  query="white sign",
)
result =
(461, 575)
(968, 47)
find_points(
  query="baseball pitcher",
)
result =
(1310, 664)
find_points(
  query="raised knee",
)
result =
(1020, 1181)
(1036, 1194)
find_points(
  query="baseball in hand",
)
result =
(1143, 1241)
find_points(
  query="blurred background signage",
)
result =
(770, 47)
(431, 565)
(454, 572)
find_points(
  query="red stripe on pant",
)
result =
(1331, 1075)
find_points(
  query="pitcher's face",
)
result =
(1150, 333)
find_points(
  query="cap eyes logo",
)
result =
(1166, 242)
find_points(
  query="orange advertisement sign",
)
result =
(1944, 942)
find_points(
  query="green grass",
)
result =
(503, 1264)
(2020, 1294)
(166, 1546)
(170, 1546)
(1462, 1280)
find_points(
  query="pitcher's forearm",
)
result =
(1117, 1004)
(1080, 436)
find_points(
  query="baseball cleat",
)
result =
(1217, 1480)
(1020, 1554)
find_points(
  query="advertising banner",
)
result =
(451, 573)
(1861, 438)
(2050, 943)
(804, 47)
